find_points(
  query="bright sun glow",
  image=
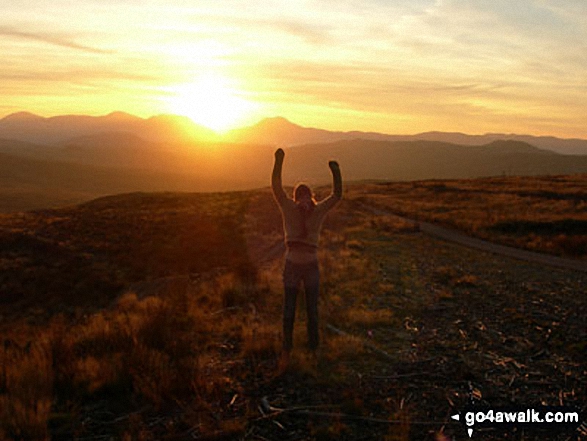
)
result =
(211, 101)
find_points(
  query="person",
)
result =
(302, 220)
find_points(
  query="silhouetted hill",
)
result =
(80, 157)
(278, 131)
(21, 117)
(22, 148)
(410, 160)
(117, 149)
(282, 133)
(84, 254)
(558, 145)
(59, 129)
(28, 183)
(114, 163)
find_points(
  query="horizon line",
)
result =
(266, 118)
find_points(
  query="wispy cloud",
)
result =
(314, 33)
(50, 38)
(81, 76)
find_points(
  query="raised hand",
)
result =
(336, 180)
(333, 165)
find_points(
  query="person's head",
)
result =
(304, 197)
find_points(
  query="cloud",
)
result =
(376, 87)
(50, 38)
(310, 33)
(78, 76)
(29, 76)
(257, 27)
(497, 21)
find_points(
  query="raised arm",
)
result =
(336, 179)
(336, 194)
(276, 185)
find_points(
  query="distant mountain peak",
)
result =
(277, 119)
(22, 116)
(437, 133)
(277, 122)
(121, 115)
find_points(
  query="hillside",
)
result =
(57, 130)
(411, 160)
(139, 236)
(87, 169)
(27, 183)
(275, 132)
(77, 158)
(557, 145)
(83, 255)
(282, 133)
(99, 165)
(538, 213)
(159, 315)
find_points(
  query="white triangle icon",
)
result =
(470, 432)
(456, 417)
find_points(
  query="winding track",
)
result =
(471, 242)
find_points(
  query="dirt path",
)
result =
(471, 242)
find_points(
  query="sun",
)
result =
(212, 101)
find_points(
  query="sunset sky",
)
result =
(404, 66)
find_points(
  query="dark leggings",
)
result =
(293, 275)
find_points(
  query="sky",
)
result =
(402, 67)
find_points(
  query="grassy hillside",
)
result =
(84, 255)
(157, 316)
(541, 213)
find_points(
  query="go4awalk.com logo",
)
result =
(540, 417)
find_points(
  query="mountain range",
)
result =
(61, 160)
(56, 130)
(281, 132)
(25, 126)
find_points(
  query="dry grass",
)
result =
(369, 318)
(545, 213)
(390, 224)
(451, 277)
(344, 347)
(26, 385)
(261, 340)
(159, 351)
(86, 255)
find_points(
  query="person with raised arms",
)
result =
(302, 221)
